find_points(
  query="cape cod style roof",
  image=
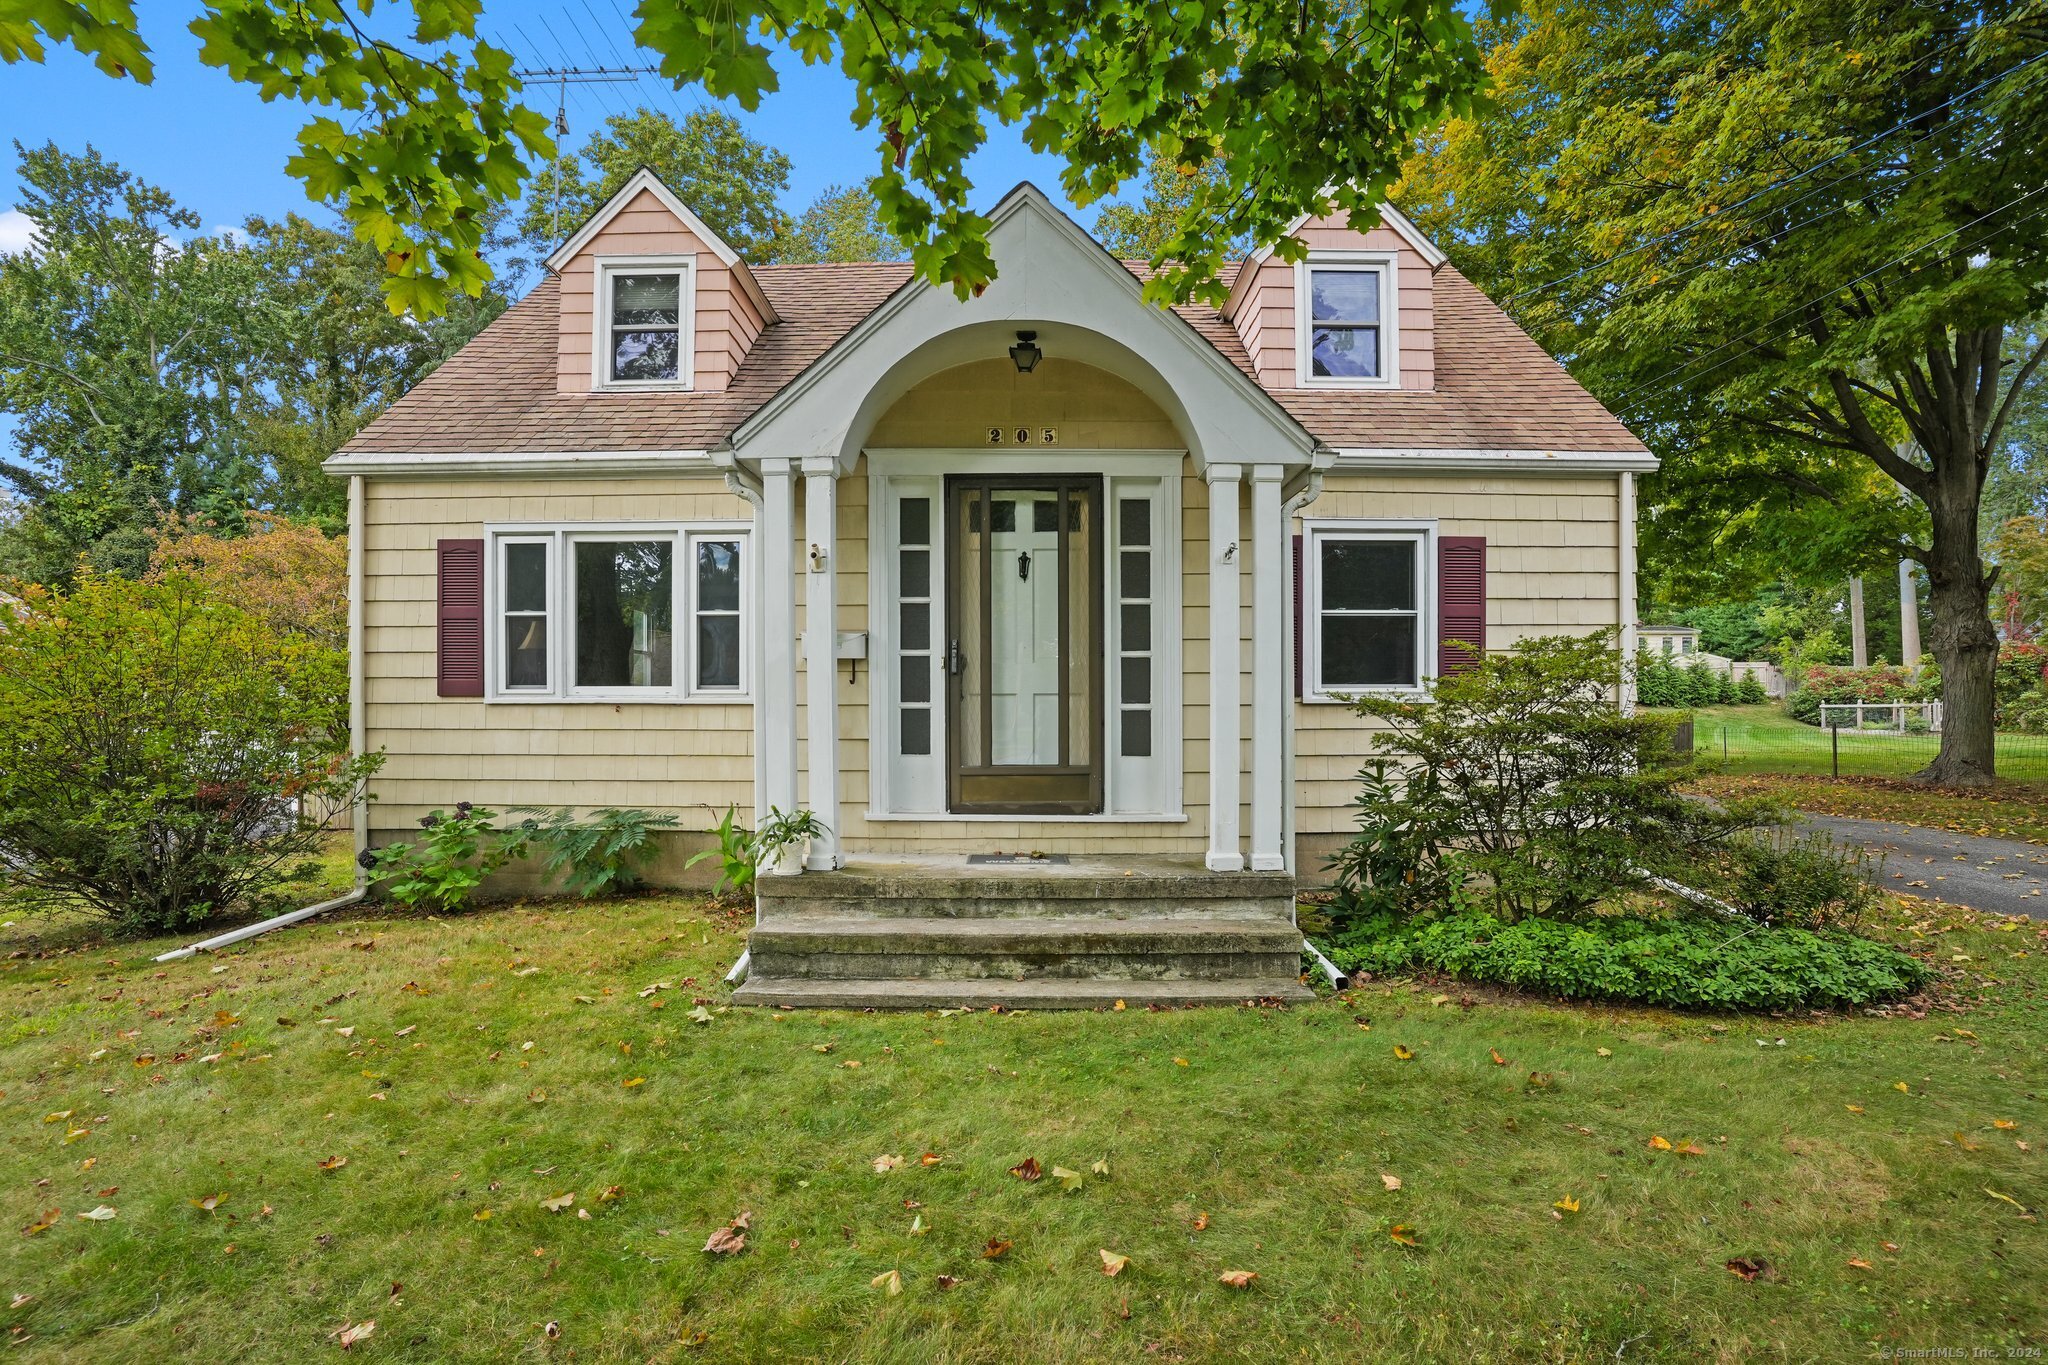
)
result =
(1495, 389)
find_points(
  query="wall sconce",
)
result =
(1230, 552)
(1026, 352)
(817, 559)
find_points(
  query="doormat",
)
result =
(1016, 860)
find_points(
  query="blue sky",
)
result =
(221, 150)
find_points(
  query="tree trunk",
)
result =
(1964, 644)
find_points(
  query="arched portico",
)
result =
(1088, 500)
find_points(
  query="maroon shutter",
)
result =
(459, 617)
(1460, 601)
(1298, 621)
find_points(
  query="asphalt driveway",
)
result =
(2002, 875)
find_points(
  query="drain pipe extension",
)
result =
(739, 969)
(1328, 968)
(249, 931)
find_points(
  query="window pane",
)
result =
(1137, 740)
(1368, 651)
(1045, 515)
(1134, 574)
(526, 578)
(641, 299)
(625, 634)
(914, 521)
(1003, 515)
(915, 679)
(916, 566)
(526, 651)
(1137, 626)
(644, 355)
(718, 651)
(1134, 521)
(1345, 295)
(917, 625)
(718, 575)
(1368, 575)
(1137, 681)
(1345, 352)
(917, 731)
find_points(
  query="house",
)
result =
(1677, 643)
(1049, 578)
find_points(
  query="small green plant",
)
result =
(1808, 882)
(446, 864)
(735, 852)
(784, 829)
(599, 856)
(1395, 863)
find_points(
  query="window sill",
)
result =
(645, 386)
(620, 699)
(1306, 382)
(1107, 818)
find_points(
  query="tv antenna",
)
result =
(562, 77)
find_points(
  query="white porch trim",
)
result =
(1271, 662)
(1225, 749)
(821, 634)
(775, 714)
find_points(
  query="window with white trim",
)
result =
(1368, 607)
(1347, 316)
(643, 314)
(618, 614)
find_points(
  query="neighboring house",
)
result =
(1681, 644)
(1046, 570)
(1678, 643)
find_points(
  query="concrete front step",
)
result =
(1041, 994)
(1146, 947)
(929, 888)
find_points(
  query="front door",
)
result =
(1024, 645)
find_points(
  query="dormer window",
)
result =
(1347, 316)
(643, 323)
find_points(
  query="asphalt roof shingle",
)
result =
(1495, 388)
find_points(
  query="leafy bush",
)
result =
(601, 855)
(1822, 683)
(1683, 963)
(444, 867)
(1750, 690)
(1658, 681)
(1527, 767)
(1807, 882)
(735, 852)
(165, 757)
(1395, 864)
(2027, 713)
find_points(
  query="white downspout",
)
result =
(745, 486)
(1626, 588)
(1295, 495)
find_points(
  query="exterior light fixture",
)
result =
(1026, 352)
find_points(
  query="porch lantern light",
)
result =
(1026, 352)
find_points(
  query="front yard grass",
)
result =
(1764, 739)
(2004, 810)
(469, 1068)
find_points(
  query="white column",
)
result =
(1626, 589)
(1271, 661)
(1909, 617)
(775, 695)
(1859, 638)
(821, 632)
(1225, 756)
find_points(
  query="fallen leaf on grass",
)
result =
(210, 1202)
(1201, 1223)
(1113, 1263)
(2025, 1212)
(1748, 1267)
(22, 1300)
(1964, 1142)
(1101, 1167)
(1602, 1052)
(946, 1281)
(1902, 1087)
(405, 1031)
(1540, 1080)
(349, 1333)
(1069, 1180)
(823, 1047)
(1853, 1108)
(1027, 1169)
(560, 1202)
(996, 1249)
(334, 1163)
(1392, 1182)
(1860, 1264)
(1659, 1144)
(889, 1280)
(1889, 1246)
(1403, 1053)
(1498, 1060)
(553, 1331)
(59, 1116)
(1567, 1205)
(1689, 1148)
(700, 1015)
(481, 1215)
(609, 1193)
(1404, 1234)
(930, 1159)
(2006, 1124)
(917, 1228)
(727, 1241)
(1238, 1279)
(633, 1081)
(1180, 1061)
(102, 1214)
(887, 1163)
(43, 1224)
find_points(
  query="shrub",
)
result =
(1807, 882)
(735, 853)
(1526, 765)
(1750, 690)
(1683, 963)
(1823, 683)
(444, 867)
(602, 855)
(164, 756)
(1657, 681)
(1395, 864)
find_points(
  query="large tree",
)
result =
(728, 178)
(1308, 104)
(1764, 231)
(1145, 229)
(840, 225)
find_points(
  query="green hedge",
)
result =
(1683, 963)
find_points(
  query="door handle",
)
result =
(956, 662)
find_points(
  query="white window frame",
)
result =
(682, 265)
(561, 538)
(1315, 532)
(1384, 264)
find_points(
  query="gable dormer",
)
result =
(652, 299)
(1359, 313)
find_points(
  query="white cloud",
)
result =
(17, 233)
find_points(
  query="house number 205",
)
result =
(1024, 436)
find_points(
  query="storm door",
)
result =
(1024, 645)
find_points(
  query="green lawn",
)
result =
(1763, 739)
(470, 1068)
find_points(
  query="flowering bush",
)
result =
(1825, 683)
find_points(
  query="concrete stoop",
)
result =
(921, 933)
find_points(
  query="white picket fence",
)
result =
(1889, 715)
